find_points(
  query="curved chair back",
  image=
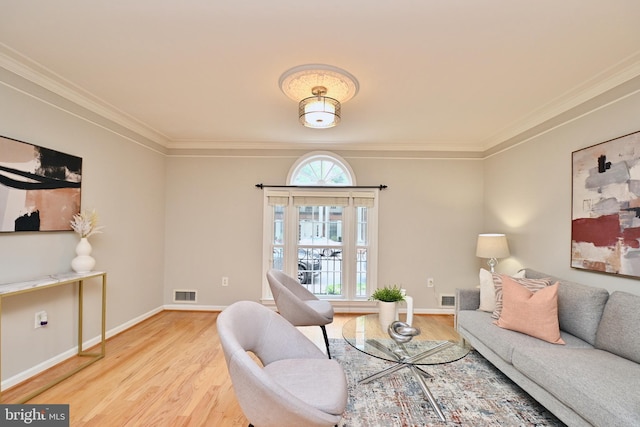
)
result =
(262, 393)
(296, 303)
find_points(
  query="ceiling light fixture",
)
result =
(319, 111)
(328, 86)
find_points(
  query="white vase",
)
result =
(387, 312)
(84, 262)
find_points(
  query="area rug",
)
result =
(471, 392)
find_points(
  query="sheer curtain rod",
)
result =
(380, 187)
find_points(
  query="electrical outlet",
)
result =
(430, 282)
(41, 319)
(225, 281)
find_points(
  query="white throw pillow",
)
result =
(488, 290)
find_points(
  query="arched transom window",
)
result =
(320, 168)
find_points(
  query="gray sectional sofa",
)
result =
(592, 380)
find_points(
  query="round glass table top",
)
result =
(435, 344)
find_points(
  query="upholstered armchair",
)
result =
(296, 384)
(298, 305)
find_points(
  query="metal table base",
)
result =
(404, 361)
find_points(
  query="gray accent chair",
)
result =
(294, 384)
(298, 305)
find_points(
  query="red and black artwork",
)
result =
(605, 231)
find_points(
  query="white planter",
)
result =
(84, 262)
(387, 313)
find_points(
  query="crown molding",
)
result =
(298, 151)
(618, 93)
(30, 70)
(623, 72)
(582, 99)
(449, 146)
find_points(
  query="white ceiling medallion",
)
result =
(319, 89)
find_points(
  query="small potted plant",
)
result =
(388, 294)
(388, 298)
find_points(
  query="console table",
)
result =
(10, 289)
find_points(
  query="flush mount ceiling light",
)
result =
(319, 89)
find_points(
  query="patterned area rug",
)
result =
(471, 392)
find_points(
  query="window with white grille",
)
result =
(324, 236)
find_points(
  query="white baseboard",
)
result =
(41, 367)
(193, 307)
(364, 307)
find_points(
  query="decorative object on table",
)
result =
(409, 301)
(86, 225)
(402, 332)
(492, 246)
(388, 298)
(40, 187)
(605, 227)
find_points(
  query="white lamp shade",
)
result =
(492, 246)
(319, 112)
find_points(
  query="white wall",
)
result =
(124, 182)
(428, 222)
(528, 193)
(429, 218)
(214, 226)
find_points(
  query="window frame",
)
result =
(350, 243)
(349, 223)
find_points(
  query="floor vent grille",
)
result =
(183, 295)
(447, 300)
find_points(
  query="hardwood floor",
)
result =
(166, 371)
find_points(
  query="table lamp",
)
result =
(492, 246)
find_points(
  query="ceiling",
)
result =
(434, 75)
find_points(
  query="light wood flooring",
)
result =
(168, 370)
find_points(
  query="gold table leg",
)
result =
(94, 357)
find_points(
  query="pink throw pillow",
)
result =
(532, 313)
(531, 284)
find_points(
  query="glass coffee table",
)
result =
(432, 346)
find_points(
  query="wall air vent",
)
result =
(447, 301)
(184, 295)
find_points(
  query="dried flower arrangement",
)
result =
(86, 223)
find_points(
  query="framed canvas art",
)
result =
(39, 187)
(605, 229)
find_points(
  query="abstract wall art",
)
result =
(605, 231)
(39, 187)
